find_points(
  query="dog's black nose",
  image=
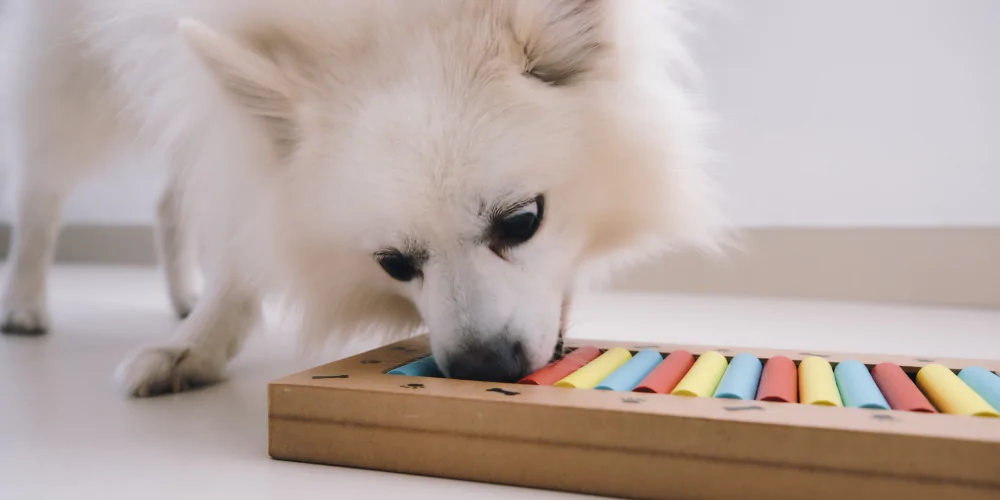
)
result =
(497, 361)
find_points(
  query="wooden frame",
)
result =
(351, 413)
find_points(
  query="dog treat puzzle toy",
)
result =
(659, 421)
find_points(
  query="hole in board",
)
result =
(370, 361)
(413, 386)
(814, 354)
(925, 360)
(505, 392)
(318, 377)
(883, 416)
(633, 401)
(743, 408)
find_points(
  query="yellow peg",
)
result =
(594, 372)
(817, 384)
(703, 377)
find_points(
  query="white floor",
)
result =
(65, 432)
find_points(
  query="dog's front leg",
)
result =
(33, 243)
(176, 249)
(199, 350)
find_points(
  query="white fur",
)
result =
(304, 136)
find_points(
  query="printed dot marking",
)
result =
(743, 408)
(633, 401)
(884, 416)
(370, 361)
(413, 386)
(320, 377)
(505, 392)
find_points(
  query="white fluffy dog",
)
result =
(380, 164)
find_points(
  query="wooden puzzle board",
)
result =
(627, 444)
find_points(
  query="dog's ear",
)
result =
(254, 81)
(561, 38)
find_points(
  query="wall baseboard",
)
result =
(942, 266)
(97, 244)
(934, 266)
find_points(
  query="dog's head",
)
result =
(471, 162)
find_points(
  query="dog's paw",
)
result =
(161, 370)
(24, 320)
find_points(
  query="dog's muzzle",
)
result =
(497, 361)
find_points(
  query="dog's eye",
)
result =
(554, 74)
(535, 74)
(398, 266)
(519, 225)
(546, 77)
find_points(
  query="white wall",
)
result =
(846, 112)
(856, 112)
(123, 196)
